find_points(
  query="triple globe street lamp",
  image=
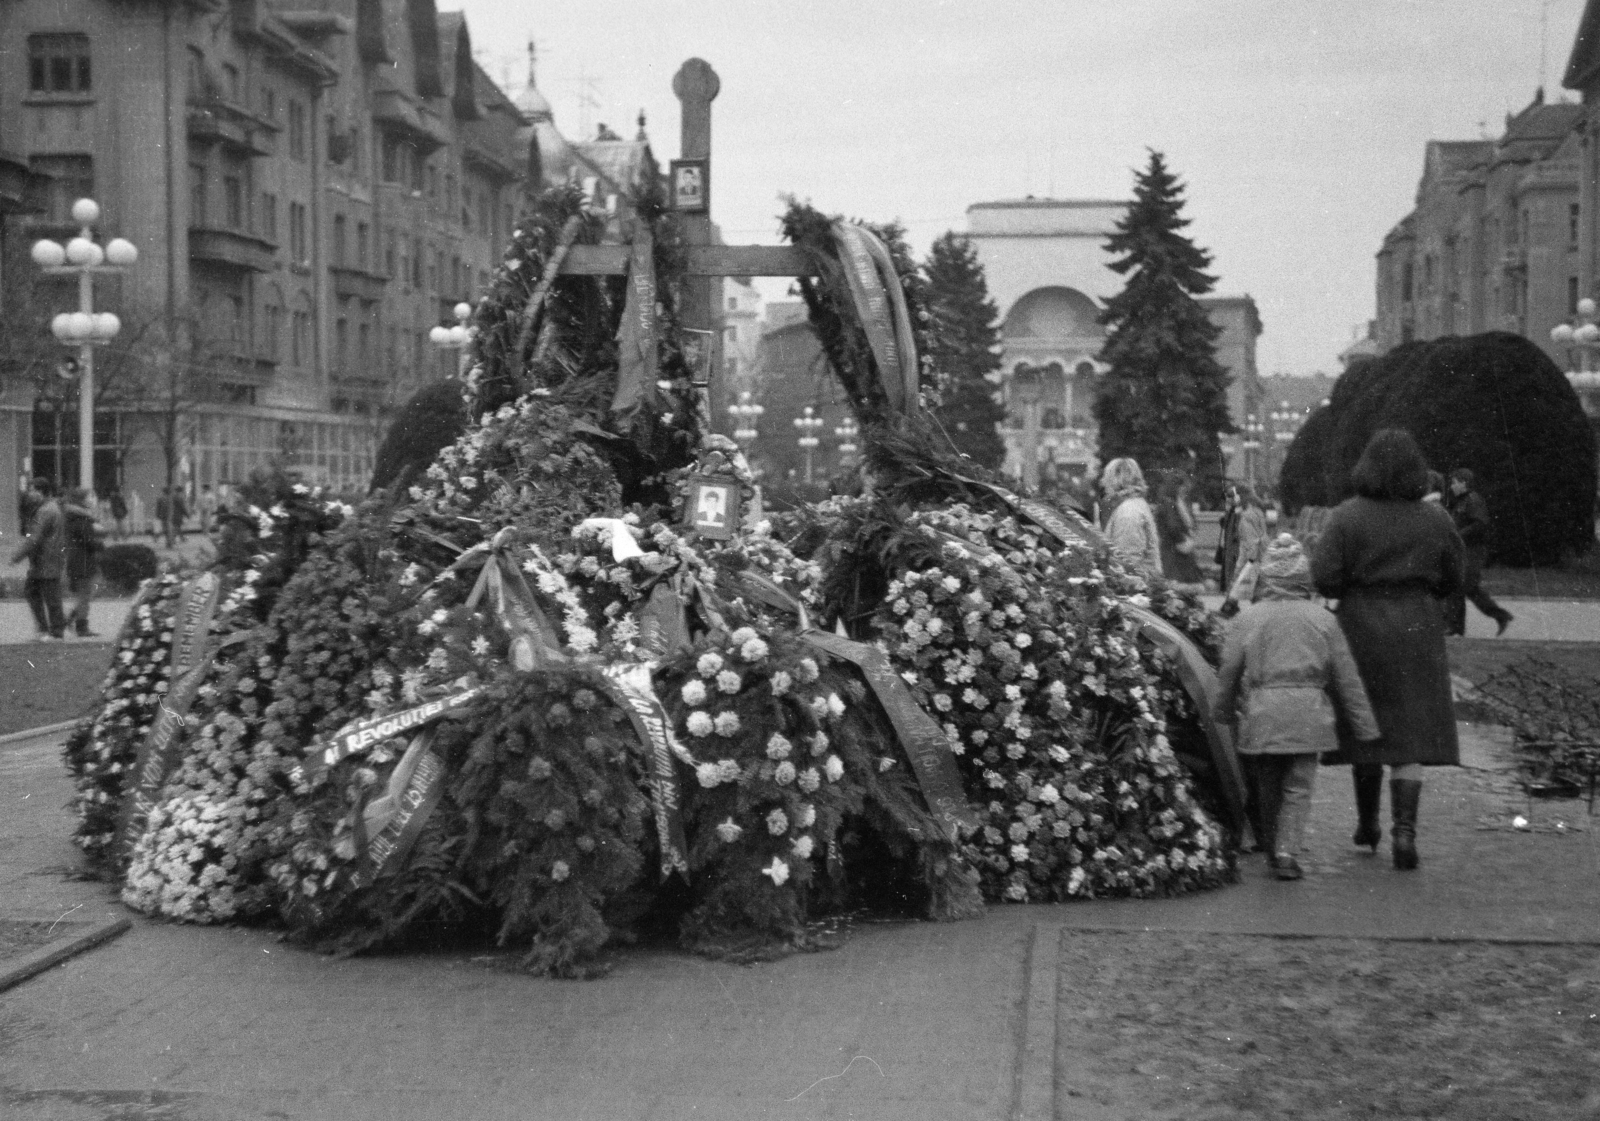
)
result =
(746, 415)
(808, 424)
(85, 328)
(457, 338)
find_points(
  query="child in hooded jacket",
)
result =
(1285, 664)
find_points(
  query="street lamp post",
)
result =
(847, 433)
(1253, 430)
(1583, 336)
(1285, 423)
(457, 338)
(807, 425)
(85, 328)
(746, 414)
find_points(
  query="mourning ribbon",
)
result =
(636, 338)
(881, 308)
(389, 825)
(187, 666)
(357, 736)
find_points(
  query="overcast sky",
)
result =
(1298, 125)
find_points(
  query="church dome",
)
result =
(533, 105)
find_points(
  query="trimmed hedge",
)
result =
(1494, 403)
(124, 567)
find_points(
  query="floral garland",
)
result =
(1056, 712)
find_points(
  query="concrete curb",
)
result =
(60, 950)
(1034, 1091)
(36, 733)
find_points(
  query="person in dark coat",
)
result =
(1175, 524)
(1471, 515)
(84, 540)
(1244, 539)
(1389, 558)
(46, 553)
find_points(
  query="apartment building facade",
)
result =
(311, 187)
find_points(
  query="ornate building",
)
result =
(1492, 243)
(1048, 273)
(311, 187)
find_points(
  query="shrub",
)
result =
(125, 566)
(1494, 403)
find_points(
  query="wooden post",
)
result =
(696, 85)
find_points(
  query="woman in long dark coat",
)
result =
(1389, 558)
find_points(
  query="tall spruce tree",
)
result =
(1164, 399)
(964, 344)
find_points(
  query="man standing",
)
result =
(1471, 515)
(46, 551)
(83, 557)
(207, 505)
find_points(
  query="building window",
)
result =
(197, 194)
(1405, 282)
(337, 248)
(1573, 211)
(341, 342)
(233, 201)
(357, 144)
(58, 63)
(297, 233)
(274, 330)
(297, 130)
(300, 339)
(391, 161)
(69, 178)
(269, 215)
(362, 233)
(364, 344)
(1572, 295)
(389, 254)
(415, 160)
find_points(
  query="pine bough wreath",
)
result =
(795, 795)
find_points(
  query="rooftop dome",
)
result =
(530, 101)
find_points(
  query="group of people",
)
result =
(172, 511)
(1367, 684)
(62, 546)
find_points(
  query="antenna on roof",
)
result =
(1544, 45)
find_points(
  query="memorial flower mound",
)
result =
(518, 696)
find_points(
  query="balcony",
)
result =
(357, 283)
(231, 249)
(397, 115)
(217, 122)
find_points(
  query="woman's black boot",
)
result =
(1369, 793)
(1405, 794)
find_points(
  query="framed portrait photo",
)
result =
(691, 186)
(712, 508)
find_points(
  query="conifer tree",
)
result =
(1164, 399)
(964, 344)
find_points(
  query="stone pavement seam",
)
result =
(32, 733)
(1034, 1091)
(54, 953)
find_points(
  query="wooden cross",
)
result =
(696, 86)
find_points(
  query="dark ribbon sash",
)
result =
(387, 828)
(924, 741)
(880, 306)
(630, 687)
(636, 338)
(358, 736)
(158, 754)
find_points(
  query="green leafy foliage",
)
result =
(1494, 403)
(963, 343)
(1163, 401)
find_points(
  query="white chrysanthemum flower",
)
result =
(708, 775)
(700, 723)
(693, 693)
(781, 683)
(819, 743)
(784, 774)
(778, 747)
(1019, 853)
(726, 723)
(728, 770)
(777, 871)
(729, 682)
(808, 670)
(835, 705)
(559, 871)
(777, 823)
(802, 846)
(1022, 640)
(742, 636)
(809, 780)
(427, 627)
(709, 665)
(834, 768)
(729, 832)
(754, 650)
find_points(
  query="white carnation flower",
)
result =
(709, 665)
(777, 823)
(802, 846)
(726, 723)
(833, 768)
(784, 774)
(778, 747)
(700, 724)
(729, 682)
(694, 693)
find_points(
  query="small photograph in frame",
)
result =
(691, 186)
(712, 508)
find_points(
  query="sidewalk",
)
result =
(907, 1020)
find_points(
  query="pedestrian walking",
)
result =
(206, 504)
(1388, 557)
(1175, 526)
(1284, 662)
(85, 538)
(28, 502)
(119, 512)
(1244, 539)
(46, 552)
(1471, 515)
(1130, 525)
